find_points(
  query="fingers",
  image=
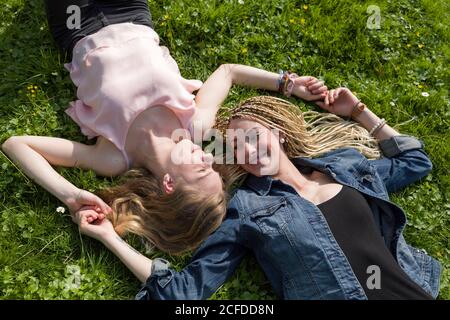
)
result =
(315, 85)
(323, 105)
(327, 100)
(105, 208)
(88, 215)
(317, 96)
(101, 204)
(331, 96)
(304, 80)
(320, 90)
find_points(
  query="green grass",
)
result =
(388, 68)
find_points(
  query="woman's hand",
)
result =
(81, 198)
(309, 88)
(93, 223)
(339, 101)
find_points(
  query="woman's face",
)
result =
(194, 166)
(256, 148)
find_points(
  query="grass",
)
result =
(41, 251)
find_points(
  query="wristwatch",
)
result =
(357, 109)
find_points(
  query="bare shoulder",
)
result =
(108, 159)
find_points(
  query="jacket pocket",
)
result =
(271, 219)
(367, 177)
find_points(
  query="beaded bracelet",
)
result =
(286, 82)
(377, 127)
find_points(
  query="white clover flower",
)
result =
(60, 209)
(425, 94)
(392, 103)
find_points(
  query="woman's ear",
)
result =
(168, 184)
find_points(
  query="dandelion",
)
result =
(244, 50)
(166, 17)
(60, 209)
(425, 94)
(292, 21)
(421, 46)
(305, 7)
(302, 21)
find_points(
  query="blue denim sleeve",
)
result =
(404, 162)
(211, 265)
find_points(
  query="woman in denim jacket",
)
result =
(317, 216)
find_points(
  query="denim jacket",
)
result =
(291, 239)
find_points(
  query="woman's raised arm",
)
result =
(216, 88)
(35, 155)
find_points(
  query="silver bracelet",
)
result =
(378, 125)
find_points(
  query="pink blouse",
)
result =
(121, 71)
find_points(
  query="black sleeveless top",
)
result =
(351, 221)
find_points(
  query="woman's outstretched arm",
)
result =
(211, 265)
(95, 225)
(215, 90)
(404, 161)
(35, 155)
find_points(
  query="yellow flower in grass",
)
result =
(244, 50)
(408, 45)
(302, 21)
(417, 34)
(166, 17)
(419, 86)
(292, 21)
(305, 7)
(420, 45)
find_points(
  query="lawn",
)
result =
(398, 70)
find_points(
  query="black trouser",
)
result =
(94, 15)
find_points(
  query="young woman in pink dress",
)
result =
(131, 98)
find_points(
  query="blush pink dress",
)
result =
(121, 71)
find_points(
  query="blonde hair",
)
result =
(307, 134)
(174, 223)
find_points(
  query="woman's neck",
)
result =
(289, 174)
(149, 140)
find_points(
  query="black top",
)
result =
(351, 221)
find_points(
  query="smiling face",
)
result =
(192, 165)
(257, 148)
